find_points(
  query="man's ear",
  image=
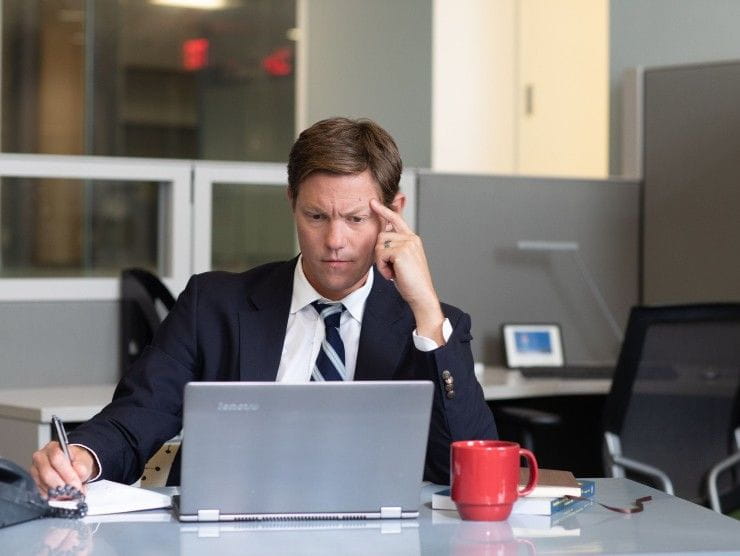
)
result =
(398, 203)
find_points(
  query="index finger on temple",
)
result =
(396, 220)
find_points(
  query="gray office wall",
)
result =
(692, 184)
(58, 343)
(470, 226)
(663, 32)
(374, 59)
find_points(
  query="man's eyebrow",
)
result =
(360, 209)
(311, 208)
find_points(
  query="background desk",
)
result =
(668, 525)
(507, 384)
(25, 415)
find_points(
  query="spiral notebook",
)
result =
(320, 450)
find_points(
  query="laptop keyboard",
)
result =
(568, 372)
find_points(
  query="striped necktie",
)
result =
(330, 362)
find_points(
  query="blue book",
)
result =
(550, 506)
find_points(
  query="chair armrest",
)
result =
(525, 419)
(712, 489)
(645, 469)
(525, 416)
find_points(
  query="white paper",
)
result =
(108, 497)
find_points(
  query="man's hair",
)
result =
(343, 146)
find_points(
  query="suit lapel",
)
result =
(385, 334)
(262, 327)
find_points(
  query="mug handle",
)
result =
(533, 472)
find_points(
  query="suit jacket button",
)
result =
(446, 374)
(450, 394)
(449, 388)
(449, 380)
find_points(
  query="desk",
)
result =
(668, 525)
(25, 415)
(506, 384)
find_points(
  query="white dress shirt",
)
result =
(306, 330)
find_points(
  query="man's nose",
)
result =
(335, 235)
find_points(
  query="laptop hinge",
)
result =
(390, 512)
(208, 515)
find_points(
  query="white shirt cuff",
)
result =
(97, 463)
(423, 343)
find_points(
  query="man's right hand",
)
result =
(51, 468)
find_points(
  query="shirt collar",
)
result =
(304, 293)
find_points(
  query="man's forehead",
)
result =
(359, 188)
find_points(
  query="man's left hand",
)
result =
(399, 256)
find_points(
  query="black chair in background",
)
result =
(672, 416)
(525, 421)
(145, 301)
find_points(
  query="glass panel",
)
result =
(139, 78)
(252, 225)
(43, 83)
(71, 227)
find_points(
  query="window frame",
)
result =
(175, 174)
(187, 198)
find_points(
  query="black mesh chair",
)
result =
(145, 301)
(671, 418)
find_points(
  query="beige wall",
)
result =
(473, 63)
(488, 55)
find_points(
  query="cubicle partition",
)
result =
(691, 148)
(535, 250)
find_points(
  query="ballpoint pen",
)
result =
(61, 435)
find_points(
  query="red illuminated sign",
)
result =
(195, 54)
(278, 62)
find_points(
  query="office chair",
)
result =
(145, 301)
(672, 417)
(525, 421)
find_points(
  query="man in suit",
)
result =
(359, 258)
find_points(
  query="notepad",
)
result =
(108, 497)
(552, 483)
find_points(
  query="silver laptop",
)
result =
(321, 450)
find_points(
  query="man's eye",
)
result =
(356, 219)
(316, 216)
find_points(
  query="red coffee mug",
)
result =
(484, 478)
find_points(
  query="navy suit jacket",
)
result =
(230, 327)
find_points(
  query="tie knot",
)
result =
(329, 312)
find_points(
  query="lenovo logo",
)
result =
(222, 406)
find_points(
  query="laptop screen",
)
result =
(272, 449)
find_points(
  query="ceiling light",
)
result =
(195, 4)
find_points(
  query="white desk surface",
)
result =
(668, 525)
(70, 403)
(505, 384)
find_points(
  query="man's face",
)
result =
(337, 230)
